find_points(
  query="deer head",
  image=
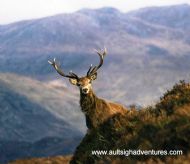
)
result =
(84, 83)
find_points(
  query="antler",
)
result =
(58, 69)
(93, 70)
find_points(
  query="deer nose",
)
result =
(85, 90)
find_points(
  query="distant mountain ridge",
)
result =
(27, 128)
(141, 47)
(67, 31)
(21, 119)
(172, 16)
(40, 98)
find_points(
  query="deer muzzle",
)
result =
(85, 90)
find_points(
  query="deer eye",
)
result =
(79, 84)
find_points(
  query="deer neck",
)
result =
(87, 102)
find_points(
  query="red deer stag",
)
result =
(96, 110)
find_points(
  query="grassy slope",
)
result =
(163, 127)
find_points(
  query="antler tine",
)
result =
(101, 54)
(58, 69)
(73, 74)
(88, 73)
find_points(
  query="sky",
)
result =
(16, 10)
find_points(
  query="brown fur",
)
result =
(97, 110)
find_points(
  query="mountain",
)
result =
(52, 96)
(21, 119)
(176, 17)
(28, 128)
(142, 53)
(148, 51)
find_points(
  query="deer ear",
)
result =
(94, 76)
(73, 81)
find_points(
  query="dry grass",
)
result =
(49, 160)
(164, 127)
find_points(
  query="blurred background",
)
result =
(148, 47)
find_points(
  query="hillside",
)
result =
(171, 16)
(154, 128)
(141, 47)
(19, 118)
(150, 128)
(53, 96)
(46, 147)
(28, 128)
